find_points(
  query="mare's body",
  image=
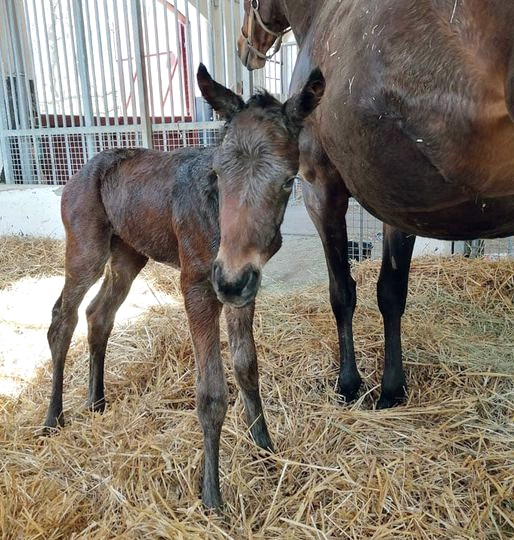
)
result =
(416, 123)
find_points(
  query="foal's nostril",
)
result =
(251, 282)
(216, 272)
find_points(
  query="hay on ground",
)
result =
(442, 466)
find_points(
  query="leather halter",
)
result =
(254, 15)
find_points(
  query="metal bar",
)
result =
(129, 61)
(15, 121)
(189, 65)
(167, 34)
(101, 58)
(66, 65)
(5, 149)
(40, 63)
(148, 66)
(361, 231)
(94, 87)
(233, 47)
(23, 98)
(158, 49)
(171, 126)
(179, 63)
(61, 90)
(120, 67)
(211, 36)
(111, 71)
(223, 33)
(199, 30)
(49, 60)
(75, 64)
(146, 124)
(247, 76)
(83, 72)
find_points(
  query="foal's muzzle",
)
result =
(238, 290)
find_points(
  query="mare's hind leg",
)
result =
(326, 199)
(124, 266)
(85, 262)
(244, 356)
(392, 294)
(203, 311)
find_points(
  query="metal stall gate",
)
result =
(80, 76)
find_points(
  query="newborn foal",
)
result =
(128, 205)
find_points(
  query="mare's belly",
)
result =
(419, 190)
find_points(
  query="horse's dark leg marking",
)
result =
(203, 311)
(85, 263)
(392, 293)
(327, 204)
(124, 266)
(244, 356)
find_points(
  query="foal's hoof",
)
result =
(349, 388)
(392, 399)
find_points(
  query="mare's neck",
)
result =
(300, 14)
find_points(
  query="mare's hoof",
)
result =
(388, 400)
(97, 406)
(52, 426)
(212, 501)
(349, 388)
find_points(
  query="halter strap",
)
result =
(255, 15)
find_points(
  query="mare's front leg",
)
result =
(392, 294)
(244, 356)
(326, 199)
(203, 311)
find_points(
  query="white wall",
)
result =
(31, 210)
(35, 211)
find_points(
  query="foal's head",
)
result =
(256, 165)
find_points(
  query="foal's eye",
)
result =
(288, 186)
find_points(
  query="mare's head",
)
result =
(256, 165)
(264, 24)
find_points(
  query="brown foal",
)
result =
(128, 205)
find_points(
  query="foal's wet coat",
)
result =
(126, 206)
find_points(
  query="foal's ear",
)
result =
(299, 106)
(221, 99)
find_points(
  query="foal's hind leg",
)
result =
(85, 262)
(203, 311)
(392, 293)
(124, 266)
(242, 347)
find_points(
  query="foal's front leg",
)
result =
(244, 356)
(203, 311)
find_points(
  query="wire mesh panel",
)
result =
(79, 76)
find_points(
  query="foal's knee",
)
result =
(245, 368)
(212, 403)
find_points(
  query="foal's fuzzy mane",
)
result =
(263, 100)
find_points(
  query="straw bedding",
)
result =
(442, 466)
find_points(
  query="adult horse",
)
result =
(416, 124)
